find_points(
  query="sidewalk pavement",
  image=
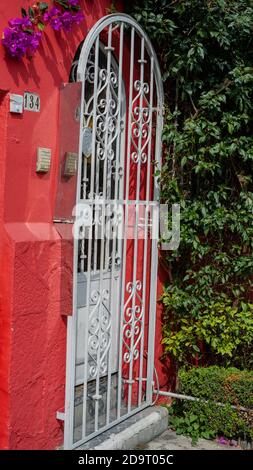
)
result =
(169, 440)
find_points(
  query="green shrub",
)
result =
(218, 384)
(226, 330)
(205, 50)
(230, 387)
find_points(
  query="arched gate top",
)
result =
(122, 19)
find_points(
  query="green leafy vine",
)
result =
(205, 49)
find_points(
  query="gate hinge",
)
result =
(60, 415)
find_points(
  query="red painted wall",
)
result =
(32, 328)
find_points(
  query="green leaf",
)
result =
(31, 13)
(43, 6)
(41, 26)
(207, 168)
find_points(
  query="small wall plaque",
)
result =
(43, 160)
(70, 164)
(87, 142)
(16, 103)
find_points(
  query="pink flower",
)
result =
(223, 441)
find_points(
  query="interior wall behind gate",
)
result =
(33, 253)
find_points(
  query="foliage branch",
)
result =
(205, 50)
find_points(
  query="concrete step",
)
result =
(136, 430)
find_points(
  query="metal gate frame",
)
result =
(155, 86)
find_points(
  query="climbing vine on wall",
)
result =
(205, 49)
(23, 35)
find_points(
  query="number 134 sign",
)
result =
(32, 102)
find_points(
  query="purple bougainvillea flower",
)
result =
(67, 20)
(16, 22)
(56, 23)
(34, 41)
(55, 11)
(13, 41)
(20, 38)
(79, 17)
(20, 22)
(18, 42)
(73, 3)
(46, 17)
(50, 14)
(53, 17)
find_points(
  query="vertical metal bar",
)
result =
(70, 386)
(84, 189)
(136, 230)
(145, 254)
(86, 336)
(116, 197)
(107, 196)
(96, 211)
(101, 277)
(84, 192)
(72, 321)
(128, 157)
(154, 257)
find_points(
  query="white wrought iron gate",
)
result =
(110, 346)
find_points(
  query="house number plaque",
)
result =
(32, 102)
